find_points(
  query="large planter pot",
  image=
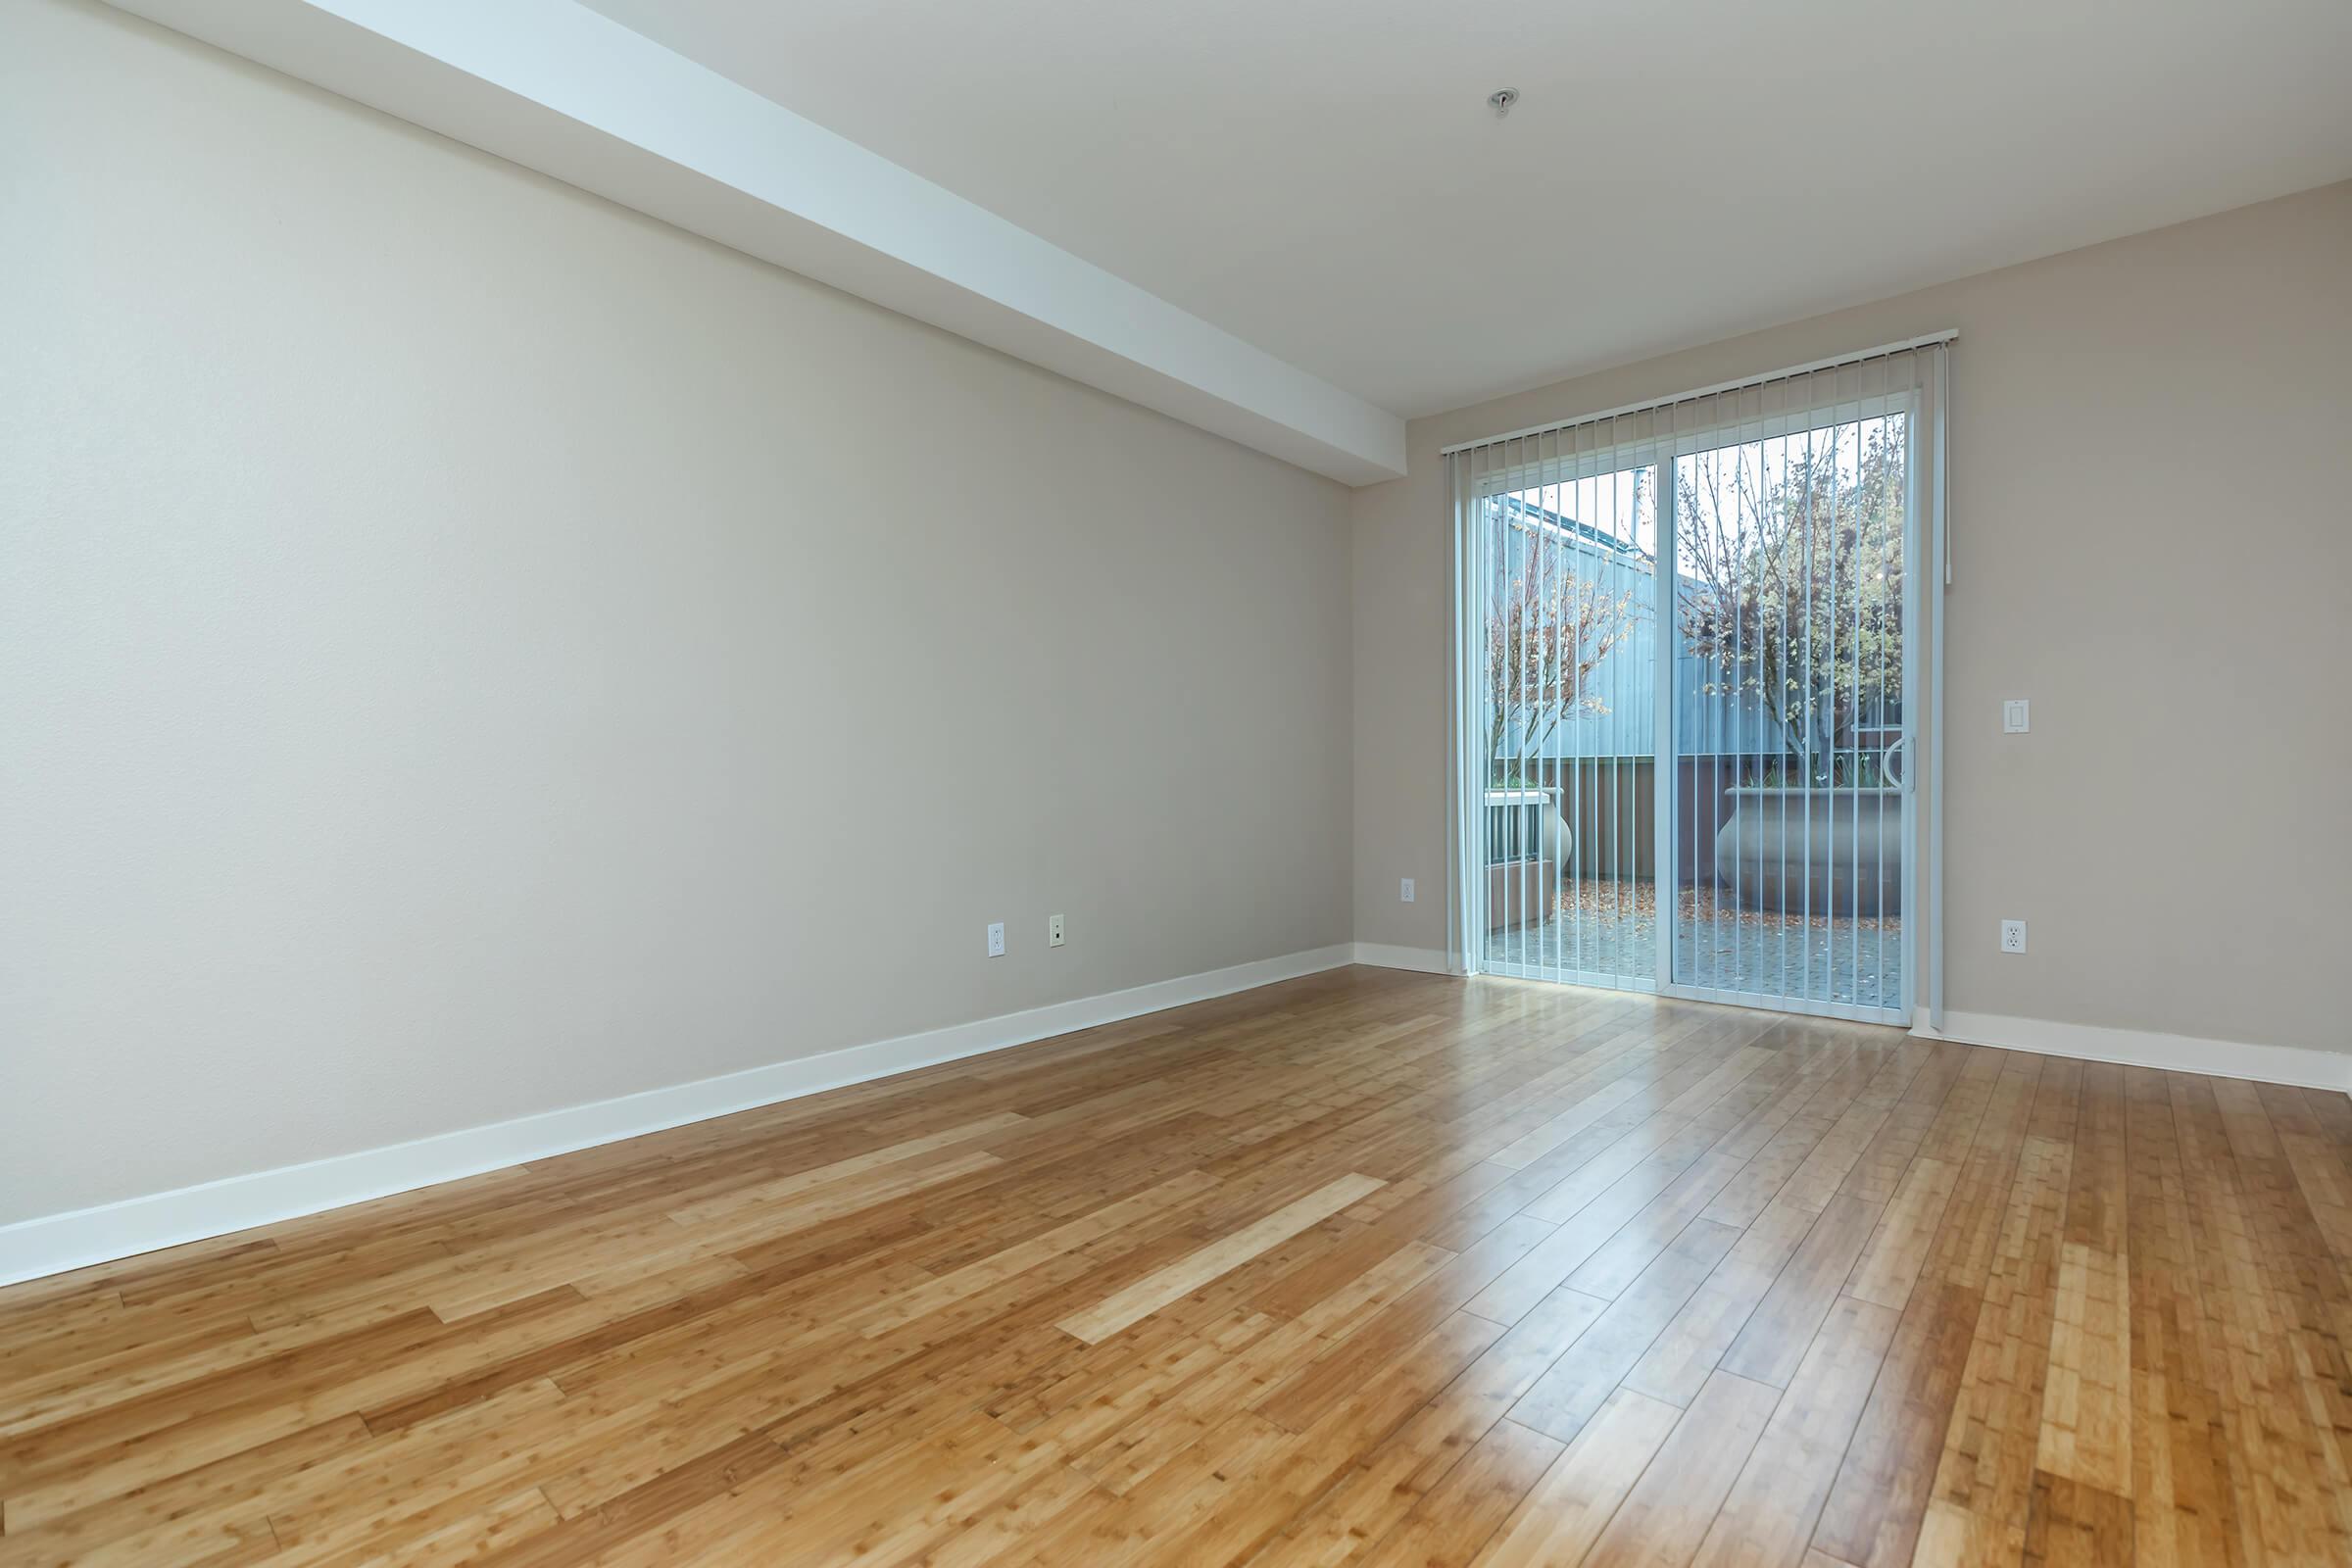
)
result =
(1813, 851)
(1527, 845)
(1526, 824)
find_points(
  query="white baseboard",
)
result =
(2139, 1048)
(1384, 955)
(56, 1242)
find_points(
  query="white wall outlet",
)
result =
(2013, 936)
(996, 939)
(1053, 936)
(1404, 890)
(2017, 716)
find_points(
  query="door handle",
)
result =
(1902, 781)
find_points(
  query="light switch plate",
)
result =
(2017, 716)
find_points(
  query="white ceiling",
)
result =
(1323, 180)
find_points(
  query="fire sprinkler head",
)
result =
(1501, 99)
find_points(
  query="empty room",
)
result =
(1510, 786)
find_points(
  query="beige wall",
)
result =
(2151, 502)
(467, 650)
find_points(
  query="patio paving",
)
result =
(1607, 928)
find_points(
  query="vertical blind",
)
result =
(1696, 690)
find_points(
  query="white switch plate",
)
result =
(1404, 890)
(1053, 936)
(996, 939)
(2015, 717)
(2013, 936)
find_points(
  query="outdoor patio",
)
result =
(1602, 928)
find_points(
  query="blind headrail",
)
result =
(1930, 340)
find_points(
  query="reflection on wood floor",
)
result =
(1368, 1267)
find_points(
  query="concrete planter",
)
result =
(1813, 851)
(1527, 845)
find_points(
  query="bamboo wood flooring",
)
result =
(1368, 1268)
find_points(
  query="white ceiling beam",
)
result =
(559, 88)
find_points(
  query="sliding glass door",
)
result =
(1689, 683)
(1791, 655)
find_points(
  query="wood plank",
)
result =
(1985, 1475)
(1582, 1381)
(1565, 1511)
(2086, 1400)
(2073, 1525)
(1889, 1263)
(1448, 1525)
(1878, 1504)
(1394, 1479)
(1222, 1257)
(1774, 1340)
(1666, 1516)
(1770, 1513)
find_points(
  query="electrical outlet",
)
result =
(1053, 936)
(1404, 890)
(2013, 936)
(996, 939)
(2017, 716)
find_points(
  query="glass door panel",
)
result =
(1789, 725)
(1570, 663)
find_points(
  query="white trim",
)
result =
(1930, 340)
(1386, 955)
(56, 1242)
(2139, 1048)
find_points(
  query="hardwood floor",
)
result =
(1370, 1267)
